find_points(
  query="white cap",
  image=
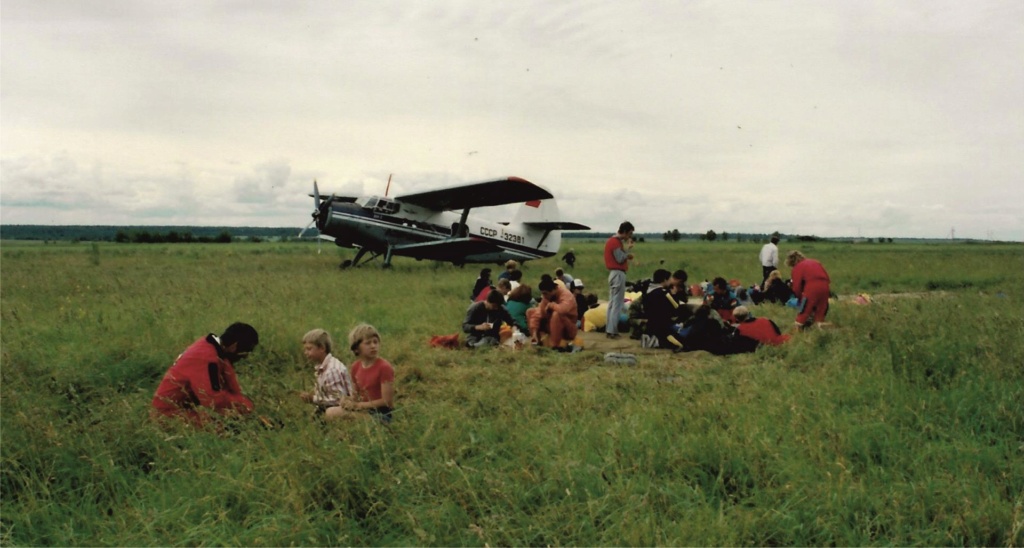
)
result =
(577, 283)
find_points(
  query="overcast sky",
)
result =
(834, 118)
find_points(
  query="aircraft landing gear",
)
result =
(359, 255)
(358, 259)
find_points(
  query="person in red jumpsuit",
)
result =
(762, 330)
(810, 285)
(202, 381)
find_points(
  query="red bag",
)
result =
(445, 341)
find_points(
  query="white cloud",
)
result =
(797, 116)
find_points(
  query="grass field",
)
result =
(902, 425)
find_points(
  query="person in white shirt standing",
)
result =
(769, 258)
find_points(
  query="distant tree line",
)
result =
(144, 234)
(172, 237)
(710, 236)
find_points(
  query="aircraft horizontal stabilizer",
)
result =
(556, 225)
(446, 250)
(491, 193)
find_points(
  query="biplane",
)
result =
(437, 225)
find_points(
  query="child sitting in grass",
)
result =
(333, 384)
(374, 377)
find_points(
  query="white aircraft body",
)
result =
(436, 224)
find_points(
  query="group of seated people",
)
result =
(509, 305)
(662, 317)
(721, 323)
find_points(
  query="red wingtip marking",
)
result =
(533, 203)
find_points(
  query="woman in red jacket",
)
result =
(810, 285)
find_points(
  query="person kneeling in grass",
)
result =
(333, 384)
(374, 377)
(555, 315)
(201, 386)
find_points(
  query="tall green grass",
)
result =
(902, 425)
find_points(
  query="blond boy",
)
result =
(373, 376)
(333, 383)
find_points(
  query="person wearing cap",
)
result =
(762, 330)
(616, 259)
(581, 300)
(202, 382)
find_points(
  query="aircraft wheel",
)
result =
(345, 264)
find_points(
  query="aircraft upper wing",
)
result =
(491, 193)
(446, 250)
(559, 226)
(339, 199)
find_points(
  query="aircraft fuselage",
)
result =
(380, 224)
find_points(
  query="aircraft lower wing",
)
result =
(491, 193)
(446, 250)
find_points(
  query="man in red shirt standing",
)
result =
(811, 285)
(202, 381)
(616, 259)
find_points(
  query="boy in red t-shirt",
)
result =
(373, 376)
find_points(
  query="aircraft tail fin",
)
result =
(537, 212)
(544, 215)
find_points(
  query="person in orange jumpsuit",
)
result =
(556, 315)
(810, 285)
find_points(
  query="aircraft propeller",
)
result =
(318, 209)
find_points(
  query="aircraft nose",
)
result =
(332, 214)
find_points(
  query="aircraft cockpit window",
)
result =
(370, 203)
(386, 206)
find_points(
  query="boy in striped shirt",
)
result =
(333, 383)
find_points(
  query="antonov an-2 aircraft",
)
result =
(436, 224)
